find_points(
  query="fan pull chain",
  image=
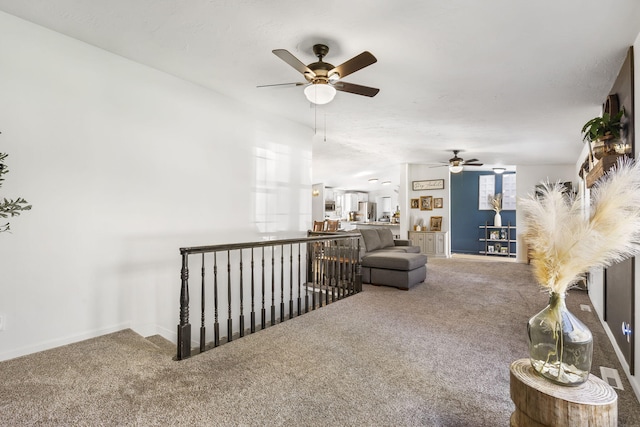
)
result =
(325, 127)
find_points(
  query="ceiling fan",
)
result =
(323, 79)
(456, 163)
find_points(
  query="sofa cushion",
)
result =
(386, 237)
(371, 239)
(393, 260)
(405, 249)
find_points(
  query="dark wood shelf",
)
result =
(600, 168)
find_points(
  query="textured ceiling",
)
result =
(509, 82)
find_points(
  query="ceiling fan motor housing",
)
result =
(320, 68)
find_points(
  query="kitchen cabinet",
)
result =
(352, 199)
(386, 204)
(434, 243)
(350, 202)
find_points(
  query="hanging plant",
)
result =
(601, 127)
(603, 132)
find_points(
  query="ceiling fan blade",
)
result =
(287, 57)
(354, 64)
(357, 89)
(284, 84)
(438, 166)
(473, 164)
(470, 161)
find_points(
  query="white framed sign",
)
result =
(486, 191)
(509, 192)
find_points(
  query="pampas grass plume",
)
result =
(565, 243)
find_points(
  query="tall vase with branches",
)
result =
(9, 207)
(496, 205)
(564, 243)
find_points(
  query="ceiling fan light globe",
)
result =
(499, 170)
(455, 169)
(320, 93)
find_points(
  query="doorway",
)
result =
(469, 235)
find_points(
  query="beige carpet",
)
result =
(437, 355)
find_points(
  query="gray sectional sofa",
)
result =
(390, 262)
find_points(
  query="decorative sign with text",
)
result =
(429, 184)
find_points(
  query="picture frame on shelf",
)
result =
(494, 235)
(426, 203)
(437, 203)
(428, 184)
(435, 223)
(415, 203)
(504, 250)
(490, 249)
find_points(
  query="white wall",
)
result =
(317, 204)
(124, 165)
(423, 172)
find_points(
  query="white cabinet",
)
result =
(350, 202)
(329, 195)
(386, 204)
(434, 243)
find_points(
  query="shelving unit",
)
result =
(499, 241)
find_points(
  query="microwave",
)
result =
(330, 206)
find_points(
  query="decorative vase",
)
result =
(560, 345)
(497, 220)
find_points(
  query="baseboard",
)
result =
(625, 366)
(58, 342)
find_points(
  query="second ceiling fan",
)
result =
(324, 79)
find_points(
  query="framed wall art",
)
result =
(426, 203)
(428, 184)
(437, 203)
(435, 223)
(509, 192)
(415, 203)
(486, 190)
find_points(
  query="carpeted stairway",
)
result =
(437, 355)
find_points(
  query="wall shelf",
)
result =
(498, 241)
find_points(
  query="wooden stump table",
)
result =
(541, 403)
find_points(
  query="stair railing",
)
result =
(317, 270)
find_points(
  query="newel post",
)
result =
(184, 328)
(358, 281)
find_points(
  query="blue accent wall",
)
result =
(465, 215)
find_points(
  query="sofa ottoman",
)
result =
(397, 269)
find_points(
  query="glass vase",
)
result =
(560, 345)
